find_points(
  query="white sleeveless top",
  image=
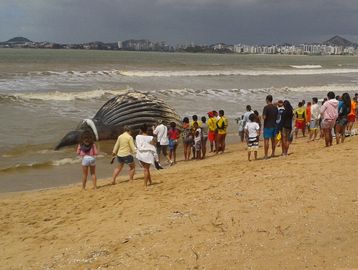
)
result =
(145, 150)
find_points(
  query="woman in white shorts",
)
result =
(87, 151)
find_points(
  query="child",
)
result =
(240, 122)
(197, 140)
(204, 136)
(173, 135)
(88, 152)
(252, 130)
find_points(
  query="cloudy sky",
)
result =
(177, 21)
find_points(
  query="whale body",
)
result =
(131, 109)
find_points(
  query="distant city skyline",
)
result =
(180, 21)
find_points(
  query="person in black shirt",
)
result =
(270, 116)
(286, 126)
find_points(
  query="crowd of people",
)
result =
(281, 123)
(278, 125)
(152, 142)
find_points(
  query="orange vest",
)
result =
(353, 108)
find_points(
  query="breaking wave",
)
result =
(306, 66)
(60, 96)
(93, 74)
(298, 71)
(243, 92)
(39, 165)
(100, 94)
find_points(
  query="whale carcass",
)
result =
(131, 109)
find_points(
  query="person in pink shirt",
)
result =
(173, 136)
(329, 114)
(87, 151)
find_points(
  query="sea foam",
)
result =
(276, 72)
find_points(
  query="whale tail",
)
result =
(71, 138)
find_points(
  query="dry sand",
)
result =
(295, 212)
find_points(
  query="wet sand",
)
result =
(295, 212)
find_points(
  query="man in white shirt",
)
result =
(161, 133)
(315, 116)
(247, 114)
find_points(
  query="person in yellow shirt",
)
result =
(123, 150)
(300, 119)
(195, 119)
(212, 131)
(221, 125)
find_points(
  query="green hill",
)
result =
(18, 40)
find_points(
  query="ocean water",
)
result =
(46, 93)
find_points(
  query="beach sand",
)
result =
(295, 212)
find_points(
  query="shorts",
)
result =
(162, 149)
(286, 132)
(172, 144)
(300, 124)
(197, 145)
(204, 139)
(327, 124)
(351, 118)
(314, 124)
(342, 121)
(188, 140)
(252, 144)
(269, 133)
(127, 159)
(88, 161)
(211, 136)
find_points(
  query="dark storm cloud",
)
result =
(202, 21)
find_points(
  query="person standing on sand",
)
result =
(269, 115)
(204, 136)
(329, 114)
(285, 126)
(344, 108)
(308, 117)
(300, 119)
(197, 140)
(212, 131)
(146, 153)
(280, 109)
(188, 138)
(192, 123)
(221, 126)
(258, 118)
(252, 130)
(247, 114)
(161, 132)
(352, 116)
(123, 150)
(315, 117)
(217, 117)
(173, 135)
(87, 151)
(240, 123)
(356, 102)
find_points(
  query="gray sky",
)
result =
(177, 21)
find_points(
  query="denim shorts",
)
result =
(162, 149)
(314, 124)
(269, 133)
(88, 161)
(127, 159)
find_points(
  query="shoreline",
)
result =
(57, 176)
(290, 212)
